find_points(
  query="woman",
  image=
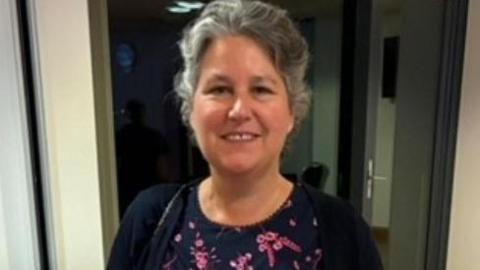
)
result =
(243, 96)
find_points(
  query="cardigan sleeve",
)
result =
(347, 238)
(368, 256)
(354, 238)
(137, 227)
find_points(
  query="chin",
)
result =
(238, 166)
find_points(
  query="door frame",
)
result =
(355, 147)
(448, 105)
(360, 88)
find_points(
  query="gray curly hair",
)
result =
(269, 26)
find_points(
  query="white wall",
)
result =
(384, 140)
(464, 243)
(384, 149)
(64, 86)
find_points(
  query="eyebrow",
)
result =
(218, 77)
(258, 79)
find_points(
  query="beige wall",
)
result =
(464, 245)
(385, 139)
(384, 149)
(64, 84)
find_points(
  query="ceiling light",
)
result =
(176, 9)
(190, 5)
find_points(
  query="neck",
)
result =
(242, 199)
(245, 184)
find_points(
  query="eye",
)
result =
(218, 90)
(263, 90)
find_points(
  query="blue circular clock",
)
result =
(125, 55)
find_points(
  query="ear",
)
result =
(291, 125)
(290, 129)
(292, 117)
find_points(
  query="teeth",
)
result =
(240, 137)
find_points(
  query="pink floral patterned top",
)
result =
(287, 240)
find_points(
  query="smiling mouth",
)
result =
(240, 137)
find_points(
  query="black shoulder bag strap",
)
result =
(153, 257)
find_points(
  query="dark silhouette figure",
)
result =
(141, 155)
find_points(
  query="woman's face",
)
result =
(241, 115)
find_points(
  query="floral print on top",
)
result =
(287, 240)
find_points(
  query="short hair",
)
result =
(269, 26)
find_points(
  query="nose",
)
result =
(240, 110)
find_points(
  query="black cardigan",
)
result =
(149, 222)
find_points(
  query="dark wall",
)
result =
(150, 81)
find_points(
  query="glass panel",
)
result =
(150, 135)
(145, 58)
(385, 128)
(405, 130)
